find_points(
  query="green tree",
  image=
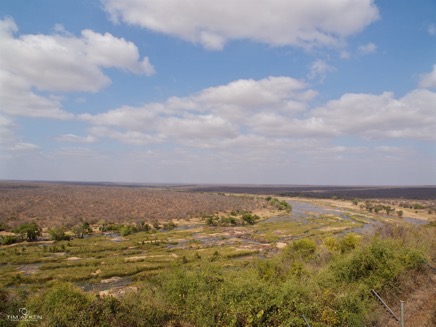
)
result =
(250, 218)
(29, 231)
(58, 234)
(82, 229)
(388, 209)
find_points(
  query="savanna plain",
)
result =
(101, 254)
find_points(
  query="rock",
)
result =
(73, 258)
(118, 292)
(114, 279)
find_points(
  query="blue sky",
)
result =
(249, 91)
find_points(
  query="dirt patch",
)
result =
(111, 280)
(118, 239)
(73, 258)
(29, 269)
(144, 257)
(281, 245)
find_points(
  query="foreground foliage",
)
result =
(327, 280)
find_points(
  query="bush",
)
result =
(8, 239)
(3, 227)
(331, 243)
(301, 248)
(61, 305)
(250, 218)
(29, 231)
(127, 230)
(378, 263)
(58, 234)
(349, 242)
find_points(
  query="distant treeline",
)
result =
(342, 192)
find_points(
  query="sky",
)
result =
(321, 92)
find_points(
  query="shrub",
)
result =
(349, 242)
(8, 239)
(60, 305)
(331, 243)
(250, 218)
(3, 227)
(58, 234)
(29, 231)
(378, 263)
(301, 248)
(127, 230)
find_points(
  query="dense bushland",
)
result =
(327, 280)
(52, 205)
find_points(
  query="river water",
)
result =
(301, 210)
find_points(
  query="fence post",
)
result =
(402, 313)
(305, 320)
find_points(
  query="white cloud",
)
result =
(274, 22)
(106, 50)
(319, 70)
(428, 80)
(58, 63)
(128, 117)
(215, 112)
(18, 99)
(382, 116)
(130, 137)
(76, 139)
(23, 147)
(198, 126)
(272, 108)
(367, 48)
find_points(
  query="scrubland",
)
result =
(219, 260)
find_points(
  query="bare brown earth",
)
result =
(52, 204)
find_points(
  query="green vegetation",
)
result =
(280, 205)
(28, 231)
(233, 219)
(326, 279)
(58, 234)
(230, 269)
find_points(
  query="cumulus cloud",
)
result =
(61, 62)
(381, 116)
(270, 109)
(428, 80)
(18, 99)
(274, 22)
(215, 112)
